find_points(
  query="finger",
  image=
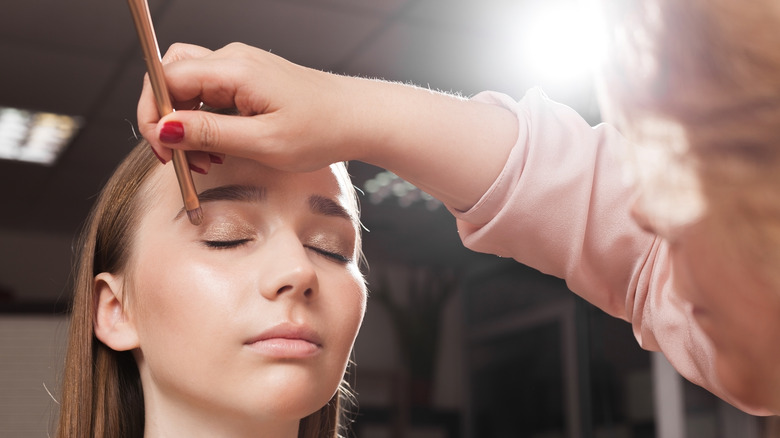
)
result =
(199, 162)
(216, 157)
(215, 134)
(226, 78)
(192, 104)
(164, 156)
(210, 80)
(181, 51)
(147, 112)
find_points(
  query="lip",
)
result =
(286, 341)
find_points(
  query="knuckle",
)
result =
(209, 133)
(242, 68)
(235, 46)
(173, 52)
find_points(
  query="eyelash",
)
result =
(331, 255)
(225, 244)
(228, 244)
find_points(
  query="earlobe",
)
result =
(113, 324)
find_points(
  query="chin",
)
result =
(744, 384)
(292, 401)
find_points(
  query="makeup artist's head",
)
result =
(241, 326)
(697, 85)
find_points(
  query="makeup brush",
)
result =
(143, 25)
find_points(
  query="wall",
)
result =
(35, 266)
(378, 355)
(31, 351)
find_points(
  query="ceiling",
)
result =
(80, 57)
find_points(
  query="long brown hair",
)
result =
(101, 390)
(698, 81)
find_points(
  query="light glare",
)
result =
(564, 45)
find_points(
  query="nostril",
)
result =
(291, 274)
(290, 289)
(283, 290)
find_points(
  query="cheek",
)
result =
(346, 308)
(179, 300)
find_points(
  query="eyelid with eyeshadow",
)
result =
(332, 246)
(226, 232)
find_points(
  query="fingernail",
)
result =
(215, 159)
(172, 132)
(197, 169)
(157, 155)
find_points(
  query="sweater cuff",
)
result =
(496, 196)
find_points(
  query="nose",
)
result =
(287, 269)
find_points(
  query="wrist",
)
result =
(448, 146)
(367, 128)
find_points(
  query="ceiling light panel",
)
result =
(35, 136)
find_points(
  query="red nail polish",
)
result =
(215, 159)
(197, 169)
(172, 132)
(157, 155)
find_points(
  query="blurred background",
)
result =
(455, 344)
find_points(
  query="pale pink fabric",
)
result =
(561, 205)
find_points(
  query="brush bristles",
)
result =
(196, 216)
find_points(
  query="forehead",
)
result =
(248, 172)
(331, 182)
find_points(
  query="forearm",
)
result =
(300, 119)
(448, 146)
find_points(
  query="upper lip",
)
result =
(288, 330)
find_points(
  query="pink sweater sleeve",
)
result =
(561, 205)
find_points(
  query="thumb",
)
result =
(212, 133)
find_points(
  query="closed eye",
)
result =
(225, 244)
(331, 255)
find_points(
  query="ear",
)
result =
(113, 324)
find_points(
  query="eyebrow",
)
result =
(321, 205)
(318, 204)
(231, 192)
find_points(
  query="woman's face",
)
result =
(736, 306)
(253, 314)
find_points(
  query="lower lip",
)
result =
(282, 348)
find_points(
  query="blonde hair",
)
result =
(695, 85)
(101, 389)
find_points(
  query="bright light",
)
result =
(386, 185)
(563, 44)
(35, 137)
